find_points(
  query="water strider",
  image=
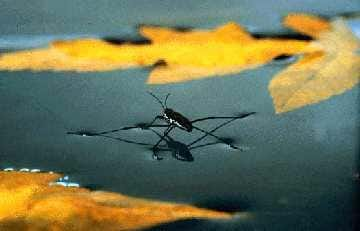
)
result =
(173, 119)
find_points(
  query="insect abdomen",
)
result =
(179, 120)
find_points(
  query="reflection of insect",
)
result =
(179, 150)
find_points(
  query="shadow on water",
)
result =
(117, 40)
(120, 41)
(228, 204)
(282, 36)
(94, 187)
(203, 225)
(186, 224)
(176, 28)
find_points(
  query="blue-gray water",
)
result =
(297, 172)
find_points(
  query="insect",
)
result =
(179, 150)
(174, 120)
(172, 117)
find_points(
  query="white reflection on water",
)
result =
(64, 181)
(33, 170)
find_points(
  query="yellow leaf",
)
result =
(187, 55)
(319, 75)
(28, 202)
(309, 25)
(230, 32)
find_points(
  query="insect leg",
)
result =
(113, 138)
(142, 126)
(213, 130)
(166, 138)
(85, 133)
(155, 156)
(218, 138)
(242, 115)
(125, 140)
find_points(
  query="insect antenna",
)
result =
(152, 94)
(166, 98)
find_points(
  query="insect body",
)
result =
(172, 117)
(175, 118)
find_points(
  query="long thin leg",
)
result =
(85, 133)
(198, 146)
(155, 156)
(242, 115)
(118, 139)
(125, 140)
(206, 134)
(145, 126)
(213, 130)
(220, 139)
(129, 141)
(152, 125)
(156, 132)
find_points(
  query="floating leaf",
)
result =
(329, 66)
(27, 202)
(186, 55)
(318, 75)
(309, 25)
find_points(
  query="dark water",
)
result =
(297, 172)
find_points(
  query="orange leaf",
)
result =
(27, 202)
(319, 75)
(187, 55)
(307, 24)
(230, 32)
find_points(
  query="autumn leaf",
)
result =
(187, 55)
(318, 75)
(28, 202)
(310, 25)
(329, 64)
